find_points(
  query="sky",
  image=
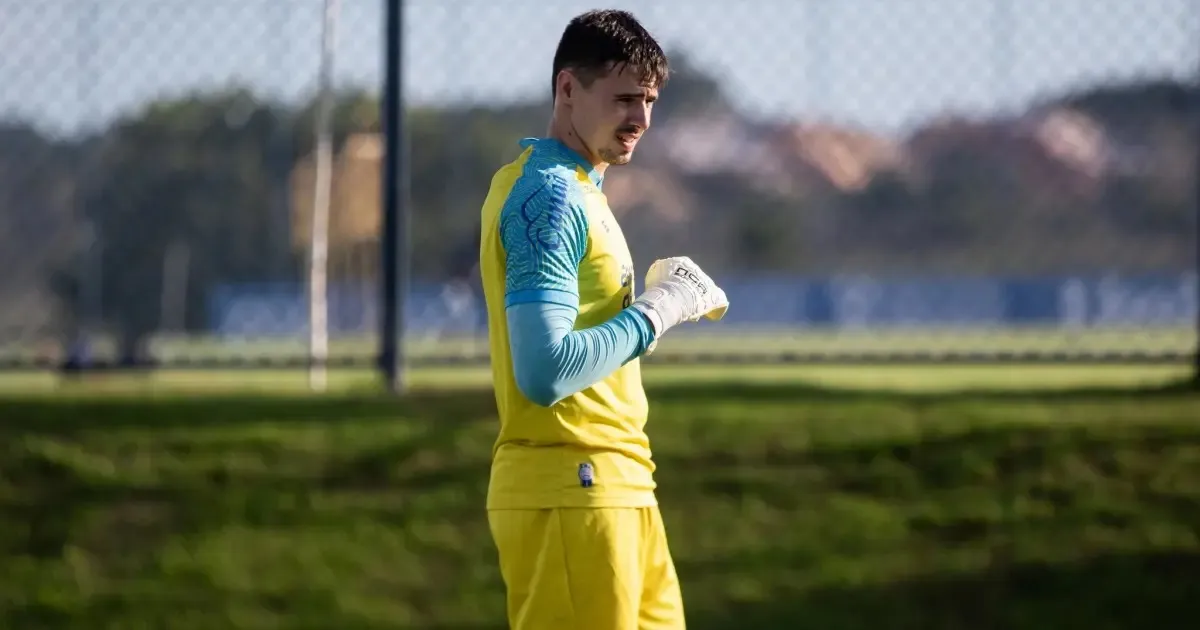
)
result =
(881, 64)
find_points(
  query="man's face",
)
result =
(612, 113)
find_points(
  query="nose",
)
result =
(639, 116)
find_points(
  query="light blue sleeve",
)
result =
(545, 237)
(551, 361)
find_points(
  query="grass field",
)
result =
(835, 498)
(930, 379)
(716, 342)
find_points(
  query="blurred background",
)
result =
(868, 179)
(888, 190)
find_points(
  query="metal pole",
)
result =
(1196, 236)
(394, 241)
(87, 319)
(1196, 202)
(318, 270)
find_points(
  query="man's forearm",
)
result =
(552, 361)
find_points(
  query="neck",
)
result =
(560, 129)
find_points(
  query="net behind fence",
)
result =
(867, 179)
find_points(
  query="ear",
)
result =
(566, 85)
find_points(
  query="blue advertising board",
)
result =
(769, 301)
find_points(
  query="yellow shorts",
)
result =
(587, 569)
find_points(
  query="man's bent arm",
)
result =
(545, 238)
(552, 361)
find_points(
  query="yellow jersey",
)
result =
(547, 234)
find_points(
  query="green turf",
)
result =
(787, 506)
(900, 378)
(719, 340)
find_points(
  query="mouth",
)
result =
(628, 140)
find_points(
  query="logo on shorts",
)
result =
(586, 475)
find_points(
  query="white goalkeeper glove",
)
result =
(678, 291)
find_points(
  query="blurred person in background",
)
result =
(458, 301)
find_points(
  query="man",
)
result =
(571, 498)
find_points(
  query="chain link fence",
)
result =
(868, 179)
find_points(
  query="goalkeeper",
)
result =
(571, 499)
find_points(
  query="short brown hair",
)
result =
(597, 42)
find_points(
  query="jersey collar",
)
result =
(555, 149)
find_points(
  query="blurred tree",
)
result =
(37, 188)
(691, 91)
(193, 191)
(197, 174)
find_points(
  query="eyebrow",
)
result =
(636, 94)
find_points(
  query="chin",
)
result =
(618, 158)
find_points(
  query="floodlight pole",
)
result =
(318, 273)
(395, 241)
